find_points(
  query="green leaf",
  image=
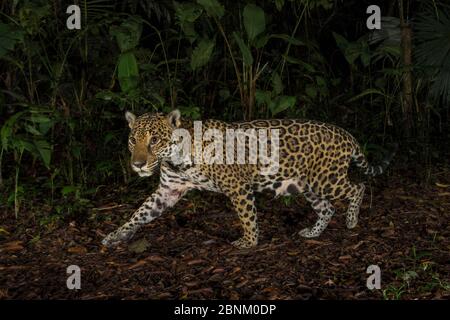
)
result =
(9, 37)
(261, 41)
(307, 66)
(291, 40)
(245, 51)
(365, 93)
(311, 92)
(128, 72)
(279, 4)
(39, 118)
(254, 21)
(186, 14)
(33, 130)
(32, 16)
(127, 34)
(351, 51)
(66, 190)
(106, 95)
(262, 97)
(321, 81)
(340, 41)
(281, 103)
(212, 7)
(7, 128)
(45, 150)
(202, 53)
(277, 84)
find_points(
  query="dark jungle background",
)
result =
(65, 178)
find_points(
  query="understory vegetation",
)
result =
(64, 93)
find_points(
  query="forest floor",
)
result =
(186, 254)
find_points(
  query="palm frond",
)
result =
(432, 50)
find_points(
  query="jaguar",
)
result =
(314, 158)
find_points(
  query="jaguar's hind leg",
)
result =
(355, 195)
(324, 210)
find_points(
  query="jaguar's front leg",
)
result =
(243, 202)
(163, 198)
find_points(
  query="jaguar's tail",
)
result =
(361, 162)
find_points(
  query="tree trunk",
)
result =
(407, 85)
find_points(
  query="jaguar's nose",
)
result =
(139, 164)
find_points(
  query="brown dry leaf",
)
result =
(77, 250)
(3, 293)
(240, 285)
(164, 295)
(12, 246)
(317, 242)
(234, 295)
(194, 262)
(155, 258)
(356, 246)
(203, 290)
(329, 282)
(346, 257)
(191, 284)
(13, 267)
(137, 264)
(218, 270)
(389, 232)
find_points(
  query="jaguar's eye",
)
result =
(154, 140)
(132, 140)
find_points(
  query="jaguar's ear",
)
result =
(131, 118)
(173, 118)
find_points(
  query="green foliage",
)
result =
(186, 14)
(432, 31)
(63, 93)
(128, 72)
(9, 37)
(202, 53)
(213, 8)
(245, 50)
(27, 131)
(127, 34)
(254, 21)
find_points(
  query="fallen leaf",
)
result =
(194, 262)
(12, 246)
(139, 246)
(356, 246)
(137, 264)
(317, 242)
(155, 258)
(77, 250)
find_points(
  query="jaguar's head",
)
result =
(150, 139)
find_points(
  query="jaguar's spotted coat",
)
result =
(313, 157)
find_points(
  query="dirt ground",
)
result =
(186, 254)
